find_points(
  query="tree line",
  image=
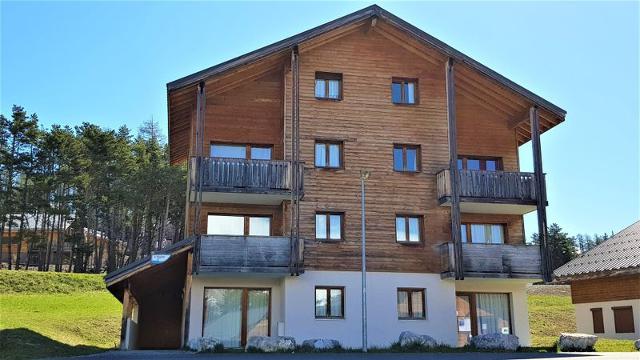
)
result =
(108, 196)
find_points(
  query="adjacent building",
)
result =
(277, 142)
(605, 286)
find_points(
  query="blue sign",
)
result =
(159, 258)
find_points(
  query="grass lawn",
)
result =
(549, 315)
(43, 315)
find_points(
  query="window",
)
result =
(239, 225)
(598, 322)
(408, 229)
(411, 304)
(623, 319)
(240, 151)
(329, 226)
(328, 86)
(479, 163)
(329, 302)
(482, 233)
(328, 155)
(404, 91)
(406, 158)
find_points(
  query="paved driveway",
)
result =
(181, 355)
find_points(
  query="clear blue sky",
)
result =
(108, 63)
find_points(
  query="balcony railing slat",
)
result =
(497, 185)
(244, 253)
(499, 260)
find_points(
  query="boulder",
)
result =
(271, 343)
(205, 344)
(495, 342)
(577, 342)
(637, 344)
(409, 338)
(321, 344)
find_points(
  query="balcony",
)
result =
(245, 254)
(493, 192)
(262, 182)
(493, 261)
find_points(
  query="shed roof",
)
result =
(368, 12)
(620, 254)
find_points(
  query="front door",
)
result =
(235, 314)
(482, 313)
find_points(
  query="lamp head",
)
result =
(364, 174)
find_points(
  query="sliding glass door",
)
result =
(482, 313)
(234, 314)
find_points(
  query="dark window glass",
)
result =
(396, 93)
(229, 151)
(460, 164)
(403, 91)
(329, 302)
(411, 304)
(406, 158)
(328, 155)
(479, 163)
(260, 153)
(491, 165)
(398, 161)
(473, 164)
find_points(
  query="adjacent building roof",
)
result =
(368, 12)
(619, 254)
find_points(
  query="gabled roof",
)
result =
(618, 254)
(368, 12)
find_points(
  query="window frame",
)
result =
(247, 220)
(617, 325)
(327, 144)
(327, 215)
(467, 225)
(404, 148)
(406, 229)
(483, 162)
(403, 96)
(248, 147)
(409, 291)
(326, 77)
(328, 289)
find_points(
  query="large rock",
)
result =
(205, 344)
(495, 342)
(271, 343)
(409, 338)
(321, 344)
(577, 342)
(637, 344)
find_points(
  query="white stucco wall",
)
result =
(517, 288)
(584, 319)
(199, 282)
(383, 324)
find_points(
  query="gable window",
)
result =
(408, 229)
(329, 302)
(241, 151)
(411, 304)
(479, 163)
(328, 86)
(239, 225)
(329, 225)
(482, 233)
(328, 154)
(404, 91)
(406, 158)
(623, 319)
(598, 322)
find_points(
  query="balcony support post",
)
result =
(541, 195)
(453, 168)
(294, 265)
(201, 105)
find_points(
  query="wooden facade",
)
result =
(610, 288)
(271, 101)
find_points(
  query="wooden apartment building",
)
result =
(276, 141)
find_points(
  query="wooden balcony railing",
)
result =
(493, 260)
(499, 186)
(244, 175)
(260, 254)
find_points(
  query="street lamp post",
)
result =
(364, 175)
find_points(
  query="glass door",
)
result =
(463, 315)
(258, 313)
(482, 313)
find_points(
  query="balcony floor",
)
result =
(481, 206)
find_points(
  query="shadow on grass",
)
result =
(23, 343)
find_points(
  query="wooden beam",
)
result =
(501, 100)
(467, 93)
(186, 300)
(453, 167)
(541, 195)
(126, 314)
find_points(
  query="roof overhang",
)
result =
(595, 275)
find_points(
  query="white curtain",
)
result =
(258, 313)
(493, 313)
(334, 89)
(320, 88)
(403, 304)
(223, 315)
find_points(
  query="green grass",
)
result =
(549, 315)
(39, 318)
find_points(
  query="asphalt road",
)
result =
(181, 355)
